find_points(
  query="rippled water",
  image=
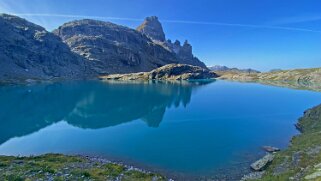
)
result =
(183, 129)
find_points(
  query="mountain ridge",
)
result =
(78, 49)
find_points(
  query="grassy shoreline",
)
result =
(62, 167)
(302, 159)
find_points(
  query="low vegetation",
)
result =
(302, 160)
(308, 79)
(60, 167)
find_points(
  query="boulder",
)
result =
(270, 149)
(262, 163)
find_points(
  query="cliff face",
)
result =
(28, 51)
(112, 48)
(153, 29)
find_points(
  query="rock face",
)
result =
(112, 48)
(28, 51)
(167, 72)
(152, 28)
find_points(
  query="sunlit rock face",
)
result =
(28, 51)
(153, 29)
(111, 48)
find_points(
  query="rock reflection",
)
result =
(91, 104)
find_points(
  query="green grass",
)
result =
(61, 167)
(305, 145)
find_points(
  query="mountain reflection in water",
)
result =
(88, 104)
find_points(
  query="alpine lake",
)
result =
(185, 129)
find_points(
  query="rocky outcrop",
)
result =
(152, 28)
(262, 163)
(185, 54)
(111, 48)
(167, 72)
(28, 51)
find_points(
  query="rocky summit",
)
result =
(28, 51)
(111, 48)
(153, 29)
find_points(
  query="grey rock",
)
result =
(253, 176)
(262, 163)
(153, 29)
(167, 72)
(111, 48)
(28, 51)
(270, 149)
(296, 158)
(81, 49)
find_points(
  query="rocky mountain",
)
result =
(153, 29)
(167, 72)
(82, 49)
(28, 51)
(225, 68)
(111, 48)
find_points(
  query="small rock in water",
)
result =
(270, 149)
(262, 163)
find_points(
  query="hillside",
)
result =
(28, 51)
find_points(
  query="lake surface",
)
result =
(185, 130)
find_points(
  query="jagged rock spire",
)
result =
(152, 28)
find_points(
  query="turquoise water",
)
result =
(187, 129)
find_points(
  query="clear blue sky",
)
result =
(260, 34)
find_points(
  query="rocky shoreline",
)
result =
(301, 160)
(67, 167)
